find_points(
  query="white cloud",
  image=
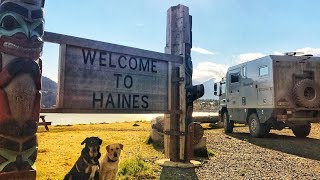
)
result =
(277, 53)
(247, 57)
(202, 51)
(208, 70)
(309, 50)
(305, 50)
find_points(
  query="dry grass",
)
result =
(61, 146)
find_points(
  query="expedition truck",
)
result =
(272, 92)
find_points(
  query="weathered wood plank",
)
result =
(87, 43)
(105, 80)
(61, 75)
(166, 128)
(25, 175)
(98, 111)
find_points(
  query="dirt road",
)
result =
(278, 156)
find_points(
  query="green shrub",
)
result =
(156, 145)
(149, 140)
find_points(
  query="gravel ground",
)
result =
(278, 156)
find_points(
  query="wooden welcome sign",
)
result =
(98, 77)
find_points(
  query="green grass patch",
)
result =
(135, 168)
(156, 145)
(211, 152)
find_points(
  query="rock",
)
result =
(157, 136)
(157, 123)
(157, 130)
(202, 143)
(178, 173)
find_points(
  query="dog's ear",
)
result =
(85, 141)
(121, 146)
(99, 141)
(108, 148)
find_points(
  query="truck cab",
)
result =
(220, 90)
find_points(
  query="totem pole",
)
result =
(21, 31)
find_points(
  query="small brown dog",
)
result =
(109, 164)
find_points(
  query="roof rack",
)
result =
(293, 53)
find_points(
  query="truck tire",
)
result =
(227, 123)
(302, 131)
(256, 128)
(306, 93)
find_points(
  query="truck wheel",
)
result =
(256, 128)
(227, 124)
(301, 131)
(306, 93)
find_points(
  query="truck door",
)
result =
(246, 91)
(264, 87)
(222, 94)
(233, 98)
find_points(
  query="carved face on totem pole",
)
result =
(21, 31)
(21, 28)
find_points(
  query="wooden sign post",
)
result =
(179, 43)
(178, 142)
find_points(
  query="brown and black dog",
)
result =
(87, 166)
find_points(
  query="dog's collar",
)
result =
(110, 160)
(89, 163)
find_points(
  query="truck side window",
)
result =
(263, 71)
(234, 78)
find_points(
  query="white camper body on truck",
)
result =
(272, 92)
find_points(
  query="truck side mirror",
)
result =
(215, 89)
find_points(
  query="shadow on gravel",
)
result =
(303, 147)
(212, 126)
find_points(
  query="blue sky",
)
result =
(225, 32)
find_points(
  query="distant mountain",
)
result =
(49, 93)
(208, 90)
